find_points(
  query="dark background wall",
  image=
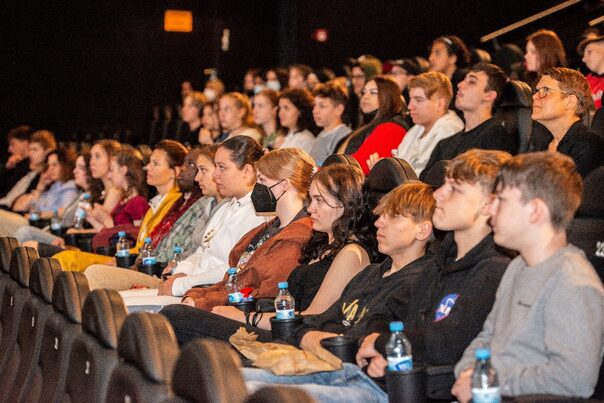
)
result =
(88, 66)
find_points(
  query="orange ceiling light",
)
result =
(178, 21)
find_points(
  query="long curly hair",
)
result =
(345, 184)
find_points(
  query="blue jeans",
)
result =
(349, 384)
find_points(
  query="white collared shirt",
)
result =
(416, 150)
(211, 259)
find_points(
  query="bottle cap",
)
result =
(177, 249)
(232, 270)
(483, 354)
(86, 196)
(147, 240)
(282, 285)
(396, 326)
(121, 234)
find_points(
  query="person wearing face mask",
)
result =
(234, 177)
(213, 89)
(342, 245)
(384, 126)
(163, 168)
(268, 253)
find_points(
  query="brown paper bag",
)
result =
(283, 359)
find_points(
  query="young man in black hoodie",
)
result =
(453, 296)
(459, 287)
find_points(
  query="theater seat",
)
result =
(15, 295)
(16, 378)
(94, 351)
(514, 109)
(208, 371)
(48, 381)
(341, 159)
(386, 174)
(597, 123)
(148, 350)
(7, 245)
(586, 231)
(280, 394)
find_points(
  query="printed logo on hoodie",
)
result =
(445, 306)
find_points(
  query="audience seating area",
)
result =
(63, 343)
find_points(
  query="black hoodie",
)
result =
(450, 304)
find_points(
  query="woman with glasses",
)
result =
(560, 101)
(384, 126)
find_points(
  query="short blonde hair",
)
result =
(412, 199)
(477, 166)
(293, 164)
(433, 82)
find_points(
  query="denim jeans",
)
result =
(349, 384)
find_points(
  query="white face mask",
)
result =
(258, 88)
(273, 85)
(210, 94)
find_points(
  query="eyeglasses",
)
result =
(543, 91)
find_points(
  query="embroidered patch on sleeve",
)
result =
(445, 306)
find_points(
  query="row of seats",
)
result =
(61, 342)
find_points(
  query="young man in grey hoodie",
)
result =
(546, 328)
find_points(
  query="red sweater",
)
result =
(596, 84)
(382, 140)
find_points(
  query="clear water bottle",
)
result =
(122, 247)
(232, 286)
(176, 255)
(80, 214)
(485, 386)
(398, 349)
(147, 253)
(34, 213)
(56, 226)
(284, 303)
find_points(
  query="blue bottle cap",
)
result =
(232, 270)
(147, 240)
(483, 354)
(282, 285)
(86, 196)
(121, 234)
(396, 326)
(177, 249)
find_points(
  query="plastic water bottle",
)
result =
(284, 303)
(34, 213)
(398, 349)
(56, 225)
(147, 253)
(80, 214)
(485, 386)
(122, 247)
(176, 256)
(232, 286)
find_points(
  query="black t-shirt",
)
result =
(489, 135)
(305, 280)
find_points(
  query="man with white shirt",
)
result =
(429, 97)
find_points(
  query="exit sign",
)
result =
(178, 21)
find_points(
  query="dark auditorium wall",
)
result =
(75, 66)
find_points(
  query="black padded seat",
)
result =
(514, 109)
(48, 380)
(280, 394)
(94, 351)
(15, 295)
(148, 350)
(7, 246)
(386, 174)
(341, 159)
(586, 231)
(37, 309)
(208, 371)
